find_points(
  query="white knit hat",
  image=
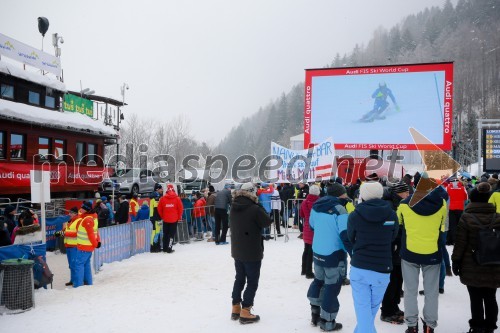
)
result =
(371, 190)
(248, 187)
(314, 190)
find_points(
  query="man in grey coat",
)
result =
(222, 202)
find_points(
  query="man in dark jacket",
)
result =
(210, 211)
(390, 311)
(121, 215)
(247, 248)
(287, 195)
(4, 233)
(303, 192)
(102, 213)
(9, 213)
(482, 281)
(222, 202)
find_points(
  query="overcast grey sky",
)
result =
(215, 61)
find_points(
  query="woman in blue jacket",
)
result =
(371, 228)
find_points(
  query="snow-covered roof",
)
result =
(68, 121)
(35, 77)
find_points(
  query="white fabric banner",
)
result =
(307, 164)
(26, 54)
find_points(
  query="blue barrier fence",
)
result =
(122, 241)
(22, 251)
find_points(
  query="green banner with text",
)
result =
(81, 105)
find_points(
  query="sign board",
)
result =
(78, 104)
(40, 186)
(307, 164)
(28, 55)
(491, 149)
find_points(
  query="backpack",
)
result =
(487, 250)
(41, 273)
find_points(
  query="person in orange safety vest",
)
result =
(87, 240)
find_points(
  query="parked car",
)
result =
(129, 181)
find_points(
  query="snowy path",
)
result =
(189, 291)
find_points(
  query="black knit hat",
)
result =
(335, 189)
(372, 178)
(9, 209)
(480, 193)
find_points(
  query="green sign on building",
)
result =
(74, 103)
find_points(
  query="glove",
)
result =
(59, 234)
(456, 268)
(98, 245)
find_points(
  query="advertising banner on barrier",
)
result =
(52, 225)
(122, 241)
(28, 55)
(307, 164)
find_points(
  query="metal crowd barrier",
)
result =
(292, 216)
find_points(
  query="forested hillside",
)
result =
(468, 34)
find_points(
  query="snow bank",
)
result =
(190, 291)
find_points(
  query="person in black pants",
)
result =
(222, 202)
(247, 250)
(482, 281)
(390, 311)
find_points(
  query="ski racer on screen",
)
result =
(380, 105)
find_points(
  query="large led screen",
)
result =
(491, 150)
(373, 107)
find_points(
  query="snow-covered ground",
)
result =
(190, 291)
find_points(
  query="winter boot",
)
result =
(315, 311)
(413, 329)
(235, 312)
(329, 326)
(246, 317)
(426, 328)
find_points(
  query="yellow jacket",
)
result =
(495, 200)
(422, 226)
